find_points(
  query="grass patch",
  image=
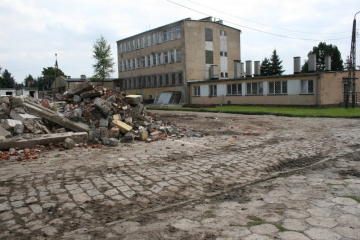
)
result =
(209, 212)
(352, 197)
(281, 228)
(338, 112)
(255, 222)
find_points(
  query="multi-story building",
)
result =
(165, 58)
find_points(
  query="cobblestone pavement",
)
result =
(251, 177)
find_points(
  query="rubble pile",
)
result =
(106, 115)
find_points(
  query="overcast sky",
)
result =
(32, 31)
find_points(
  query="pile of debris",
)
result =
(86, 113)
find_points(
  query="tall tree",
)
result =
(265, 67)
(48, 76)
(321, 51)
(1, 79)
(29, 81)
(276, 67)
(104, 64)
(8, 81)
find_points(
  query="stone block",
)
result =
(113, 142)
(129, 137)
(69, 143)
(19, 128)
(105, 141)
(124, 128)
(9, 124)
(103, 123)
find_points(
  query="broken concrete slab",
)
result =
(9, 124)
(3, 132)
(124, 128)
(85, 86)
(22, 116)
(43, 139)
(50, 115)
(133, 99)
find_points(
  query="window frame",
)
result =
(272, 88)
(307, 92)
(258, 91)
(235, 89)
(196, 91)
(212, 90)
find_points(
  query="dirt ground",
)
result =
(248, 177)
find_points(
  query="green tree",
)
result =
(265, 67)
(7, 81)
(104, 64)
(29, 81)
(321, 51)
(1, 79)
(276, 67)
(48, 76)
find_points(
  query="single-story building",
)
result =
(33, 92)
(302, 89)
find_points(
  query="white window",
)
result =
(166, 57)
(278, 87)
(255, 88)
(160, 80)
(172, 56)
(173, 79)
(212, 90)
(143, 42)
(180, 78)
(165, 36)
(154, 59)
(178, 55)
(158, 37)
(148, 61)
(153, 39)
(307, 86)
(178, 32)
(196, 91)
(149, 40)
(132, 45)
(234, 89)
(172, 33)
(142, 62)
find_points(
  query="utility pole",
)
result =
(56, 70)
(352, 69)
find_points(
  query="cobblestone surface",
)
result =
(251, 177)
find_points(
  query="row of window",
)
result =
(151, 60)
(257, 88)
(159, 80)
(151, 39)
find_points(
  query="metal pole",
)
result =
(352, 69)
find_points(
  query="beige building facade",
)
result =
(308, 89)
(164, 59)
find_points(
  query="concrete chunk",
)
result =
(113, 142)
(69, 143)
(9, 124)
(124, 128)
(42, 139)
(3, 132)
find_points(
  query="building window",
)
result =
(221, 53)
(160, 80)
(196, 91)
(149, 40)
(166, 57)
(154, 59)
(209, 57)
(307, 86)
(178, 32)
(148, 81)
(222, 74)
(226, 74)
(234, 89)
(180, 78)
(212, 90)
(208, 34)
(172, 33)
(148, 61)
(153, 39)
(178, 55)
(255, 88)
(158, 37)
(143, 82)
(167, 83)
(143, 42)
(165, 35)
(172, 56)
(173, 79)
(278, 87)
(133, 63)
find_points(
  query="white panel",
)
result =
(204, 90)
(207, 71)
(165, 97)
(209, 46)
(221, 89)
(293, 87)
(223, 64)
(223, 43)
(265, 88)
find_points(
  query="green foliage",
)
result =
(7, 81)
(29, 81)
(265, 67)
(353, 197)
(271, 66)
(104, 64)
(321, 51)
(338, 112)
(276, 67)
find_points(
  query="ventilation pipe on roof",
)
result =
(327, 63)
(256, 68)
(242, 67)
(237, 70)
(248, 68)
(312, 62)
(297, 62)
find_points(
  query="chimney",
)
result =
(327, 63)
(248, 68)
(256, 68)
(83, 77)
(242, 69)
(297, 63)
(237, 69)
(312, 62)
